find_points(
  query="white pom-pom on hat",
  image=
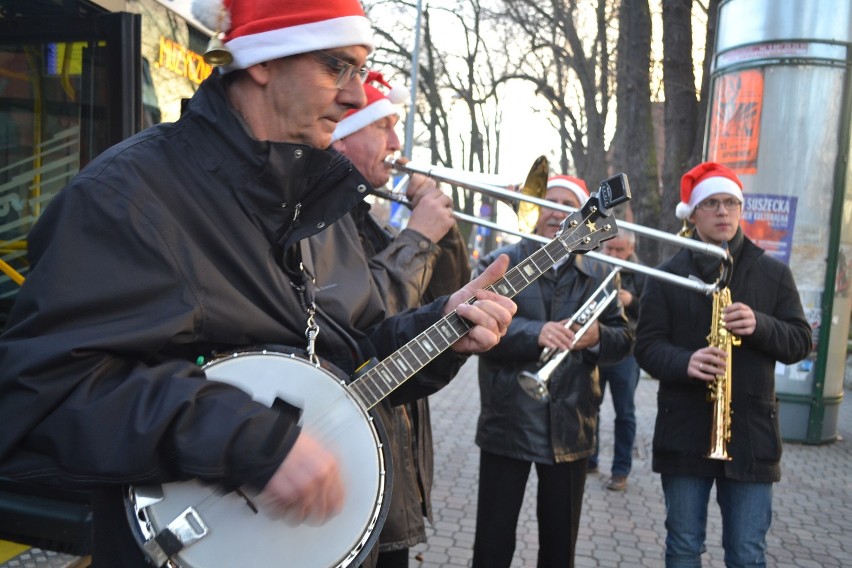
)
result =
(397, 95)
(379, 105)
(683, 210)
(212, 13)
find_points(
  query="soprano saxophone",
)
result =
(720, 388)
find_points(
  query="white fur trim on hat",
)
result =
(256, 48)
(370, 113)
(578, 192)
(705, 189)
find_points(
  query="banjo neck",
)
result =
(579, 233)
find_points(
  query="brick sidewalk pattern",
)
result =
(812, 511)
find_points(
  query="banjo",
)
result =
(192, 524)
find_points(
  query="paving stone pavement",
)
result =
(812, 516)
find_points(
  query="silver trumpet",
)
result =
(536, 384)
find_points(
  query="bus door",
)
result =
(69, 89)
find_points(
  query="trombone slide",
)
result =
(508, 193)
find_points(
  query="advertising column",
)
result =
(779, 116)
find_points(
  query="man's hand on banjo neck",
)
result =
(308, 485)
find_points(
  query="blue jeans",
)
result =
(746, 514)
(622, 378)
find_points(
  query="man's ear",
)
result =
(339, 145)
(260, 72)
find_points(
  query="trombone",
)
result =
(527, 197)
(522, 198)
(535, 384)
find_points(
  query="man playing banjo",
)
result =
(181, 244)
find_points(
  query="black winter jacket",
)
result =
(513, 424)
(674, 322)
(166, 249)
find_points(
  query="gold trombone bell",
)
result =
(534, 186)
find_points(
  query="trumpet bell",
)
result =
(534, 386)
(217, 54)
(534, 186)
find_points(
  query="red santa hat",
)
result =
(705, 180)
(575, 185)
(379, 105)
(262, 30)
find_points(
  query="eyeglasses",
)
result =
(712, 204)
(345, 71)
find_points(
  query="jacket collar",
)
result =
(292, 190)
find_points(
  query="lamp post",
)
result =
(415, 66)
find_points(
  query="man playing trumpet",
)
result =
(516, 430)
(672, 346)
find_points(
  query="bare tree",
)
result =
(711, 12)
(685, 108)
(633, 150)
(571, 70)
(462, 76)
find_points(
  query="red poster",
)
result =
(735, 120)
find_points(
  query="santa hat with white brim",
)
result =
(379, 105)
(256, 31)
(571, 183)
(702, 181)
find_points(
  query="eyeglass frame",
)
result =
(345, 71)
(712, 204)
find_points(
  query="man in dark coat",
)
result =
(427, 259)
(515, 430)
(672, 346)
(622, 377)
(181, 243)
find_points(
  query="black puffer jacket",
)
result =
(674, 322)
(512, 423)
(165, 249)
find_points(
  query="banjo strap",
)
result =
(305, 285)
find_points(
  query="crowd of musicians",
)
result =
(243, 225)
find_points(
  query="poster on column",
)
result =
(769, 220)
(735, 121)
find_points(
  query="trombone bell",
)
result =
(517, 196)
(534, 186)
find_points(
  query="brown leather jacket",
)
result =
(407, 269)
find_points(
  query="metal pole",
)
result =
(415, 65)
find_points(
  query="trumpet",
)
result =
(527, 198)
(536, 384)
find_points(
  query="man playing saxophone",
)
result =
(673, 346)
